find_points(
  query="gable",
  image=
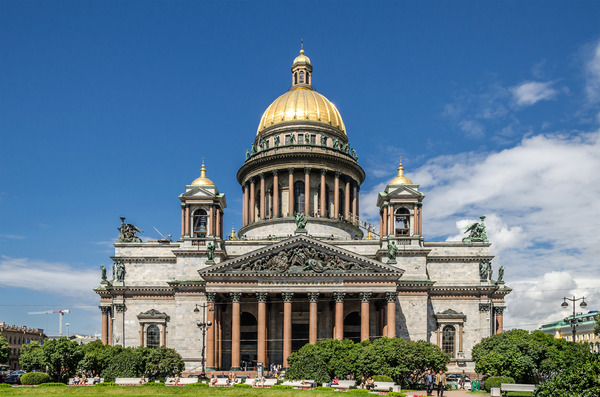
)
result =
(404, 192)
(301, 256)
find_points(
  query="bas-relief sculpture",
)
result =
(301, 260)
(127, 233)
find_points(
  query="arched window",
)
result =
(153, 336)
(295, 78)
(448, 340)
(200, 223)
(402, 217)
(301, 77)
(299, 197)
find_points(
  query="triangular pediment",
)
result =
(200, 192)
(403, 191)
(301, 256)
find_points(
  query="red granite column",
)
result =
(187, 221)
(287, 326)
(290, 192)
(141, 335)
(336, 195)
(365, 297)
(211, 221)
(354, 202)
(182, 222)
(313, 298)
(392, 229)
(339, 314)
(347, 199)
(384, 231)
(210, 331)
(391, 313)
(105, 310)
(245, 205)
(252, 202)
(499, 320)
(218, 226)
(275, 194)
(261, 352)
(235, 329)
(460, 337)
(323, 203)
(307, 191)
(420, 220)
(415, 220)
(262, 196)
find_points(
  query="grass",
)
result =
(157, 391)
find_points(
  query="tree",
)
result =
(125, 363)
(32, 357)
(4, 351)
(163, 362)
(61, 357)
(582, 380)
(96, 357)
(527, 357)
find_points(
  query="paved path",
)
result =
(447, 393)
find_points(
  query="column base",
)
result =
(235, 369)
(211, 368)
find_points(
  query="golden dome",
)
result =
(301, 59)
(401, 179)
(301, 104)
(203, 180)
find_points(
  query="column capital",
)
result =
(120, 308)
(235, 296)
(365, 296)
(287, 296)
(274, 172)
(484, 307)
(261, 175)
(391, 296)
(339, 296)
(291, 171)
(337, 174)
(251, 180)
(104, 309)
(323, 171)
(262, 296)
(211, 296)
(307, 170)
(499, 309)
(313, 296)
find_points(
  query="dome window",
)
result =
(301, 77)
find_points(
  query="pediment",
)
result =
(152, 314)
(200, 192)
(404, 191)
(301, 256)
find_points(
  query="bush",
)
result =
(282, 387)
(582, 380)
(358, 391)
(106, 384)
(396, 394)
(382, 378)
(52, 384)
(35, 378)
(153, 384)
(4, 385)
(494, 381)
(324, 388)
(199, 384)
(244, 386)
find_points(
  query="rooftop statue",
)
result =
(392, 251)
(276, 141)
(119, 271)
(476, 232)
(292, 139)
(103, 270)
(501, 274)
(127, 233)
(323, 140)
(210, 251)
(301, 220)
(336, 143)
(485, 268)
(306, 138)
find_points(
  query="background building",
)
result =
(17, 336)
(304, 266)
(584, 330)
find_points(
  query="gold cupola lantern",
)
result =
(203, 180)
(401, 179)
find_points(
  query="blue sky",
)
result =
(107, 109)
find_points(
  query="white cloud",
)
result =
(531, 92)
(13, 236)
(51, 277)
(473, 129)
(593, 74)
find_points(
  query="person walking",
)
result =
(440, 381)
(429, 382)
(463, 377)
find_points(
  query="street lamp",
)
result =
(203, 325)
(572, 320)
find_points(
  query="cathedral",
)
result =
(304, 266)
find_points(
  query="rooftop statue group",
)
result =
(118, 271)
(127, 233)
(292, 140)
(486, 271)
(476, 232)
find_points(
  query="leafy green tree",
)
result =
(96, 357)
(61, 357)
(308, 363)
(125, 363)
(582, 380)
(163, 362)
(527, 357)
(4, 351)
(32, 357)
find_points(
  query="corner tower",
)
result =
(301, 161)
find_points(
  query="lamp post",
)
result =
(203, 325)
(572, 320)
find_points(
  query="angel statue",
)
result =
(127, 233)
(476, 232)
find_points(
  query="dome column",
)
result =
(355, 201)
(252, 200)
(262, 196)
(336, 195)
(275, 194)
(245, 205)
(347, 200)
(307, 191)
(290, 192)
(323, 204)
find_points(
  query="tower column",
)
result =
(460, 337)
(307, 191)
(287, 326)
(339, 314)
(391, 221)
(245, 205)
(182, 222)
(252, 198)
(211, 221)
(262, 196)
(261, 349)
(384, 230)
(313, 298)
(365, 297)
(380, 224)
(347, 199)
(323, 202)
(290, 192)
(415, 219)
(275, 194)
(391, 298)
(210, 331)
(187, 221)
(420, 218)
(235, 330)
(336, 196)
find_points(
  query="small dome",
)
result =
(301, 59)
(203, 180)
(301, 104)
(401, 179)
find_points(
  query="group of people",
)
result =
(82, 379)
(231, 379)
(437, 381)
(367, 383)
